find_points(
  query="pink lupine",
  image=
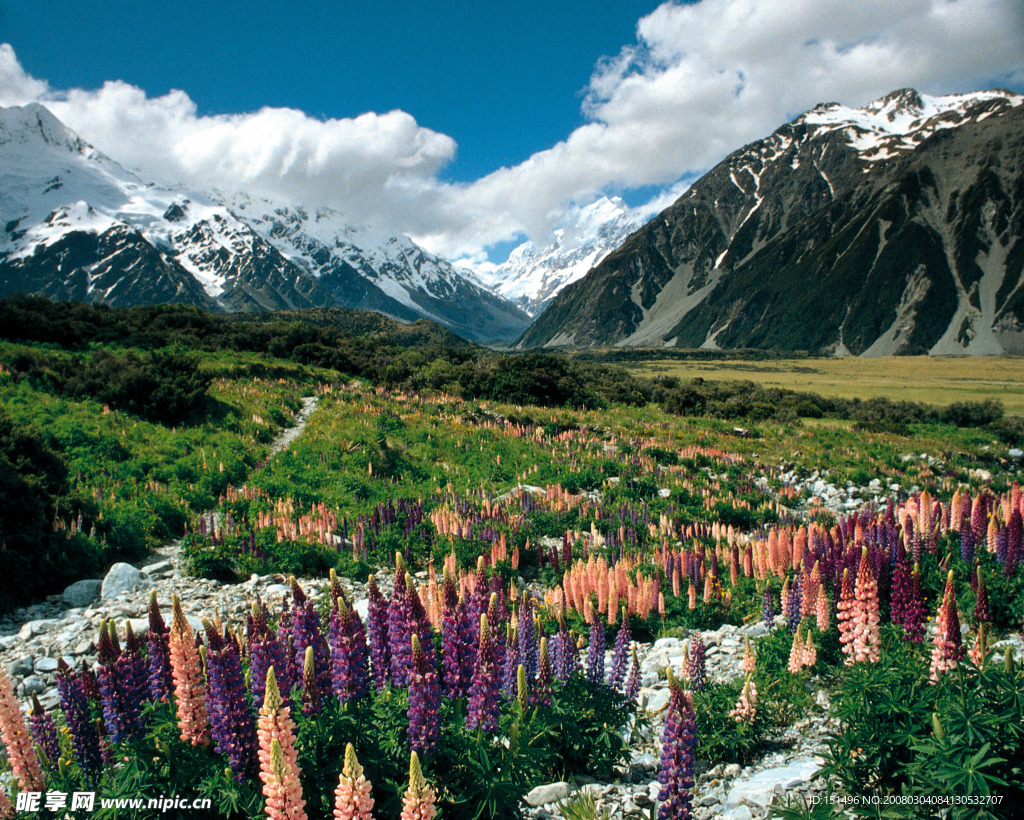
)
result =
(187, 672)
(822, 611)
(866, 634)
(979, 650)
(845, 616)
(278, 758)
(352, 800)
(418, 800)
(281, 787)
(810, 652)
(796, 652)
(6, 809)
(746, 707)
(21, 752)
(749, 659)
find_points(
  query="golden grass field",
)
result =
(935, 380)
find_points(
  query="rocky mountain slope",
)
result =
(897, 228)
(533, 275)
(76, 225)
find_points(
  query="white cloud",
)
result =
(702, 80)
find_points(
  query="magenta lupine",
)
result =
(85, 740)
(424, 700)
(232, 723)
(454, 642)
(948, 645)
(915, 612)
(161, 684)
(1014, 543)
(44, 731)
(305, 634)
(123, 683)
(678, 743)
(899, 592)
(377, 628)
(981, 608)
(595, 651)
(266, 652)
(698, 668)
(349, 666)
(541, 693)
(483, 708)
(620, 652)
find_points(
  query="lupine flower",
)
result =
(794, 604)
(698, 669)
(768, 607)
(746, 707)
(277, 755)
(266, 652)
(352, 800)
(454, 642)
(187, 672)
(305, 634)
(620, 651)
(123, 683)
(979, 651)
(595, 651)
(509, 659)
(161, 683)
(44, 731)
(312, 702)
(915, 611)
(231, 721)
(845, 613)
(377, 627)
(948, 648)
(749, 659)
(424, 700)
(21, 753)
(6, 809)
(85, 740)
(347, 640)
(522, 689)
(400, 626)
(633, 682)
(810, 652)
(866, 635)
(281, 787)
(541, 694)
(567, 660)
(796, 653)
(981, 609)
(678, 741)
(418, 800)
(483, 708)
(528, 648)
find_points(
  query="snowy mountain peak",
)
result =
(34, 125)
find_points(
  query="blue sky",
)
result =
(501, 78)
(471, 129)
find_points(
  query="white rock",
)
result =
(122, 578)
(548, 793)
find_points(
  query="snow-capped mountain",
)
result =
(893, 228)
(532, 275)
(79, 226)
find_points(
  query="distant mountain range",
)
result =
(78, 226)
(896, 228)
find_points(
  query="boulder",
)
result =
(122, 578)
(82, 593)
(548, 793)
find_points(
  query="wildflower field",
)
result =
(479, 576)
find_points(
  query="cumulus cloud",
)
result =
(701, 80)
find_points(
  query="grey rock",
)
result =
(122, 578)
(82, 593)
(760, 789)
(33, 685)
(159, 568)
(45, 665)
(657, 700)
(548, 793)
(21, 667)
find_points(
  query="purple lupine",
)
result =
(161, 684)
(483, 707)
(915, 611)
(305, 634)
(312, 697)
(85, 739)
(266, 651)
(454, 642)
(44, 731)
(528, 646)
(347, 640)
(620, 652)
(698, 670)
(424, 699)
(633, 681)
(1014, 543)
(400, 627)
(540, 695)
(793, 604)
(507, 656)
(232, 724)
(481, 595)
(899, 595)
(595, 651)
(123, 684)
(90, 684)
(967, 545)
(678, 741)
(377, 627)
(768, 607)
